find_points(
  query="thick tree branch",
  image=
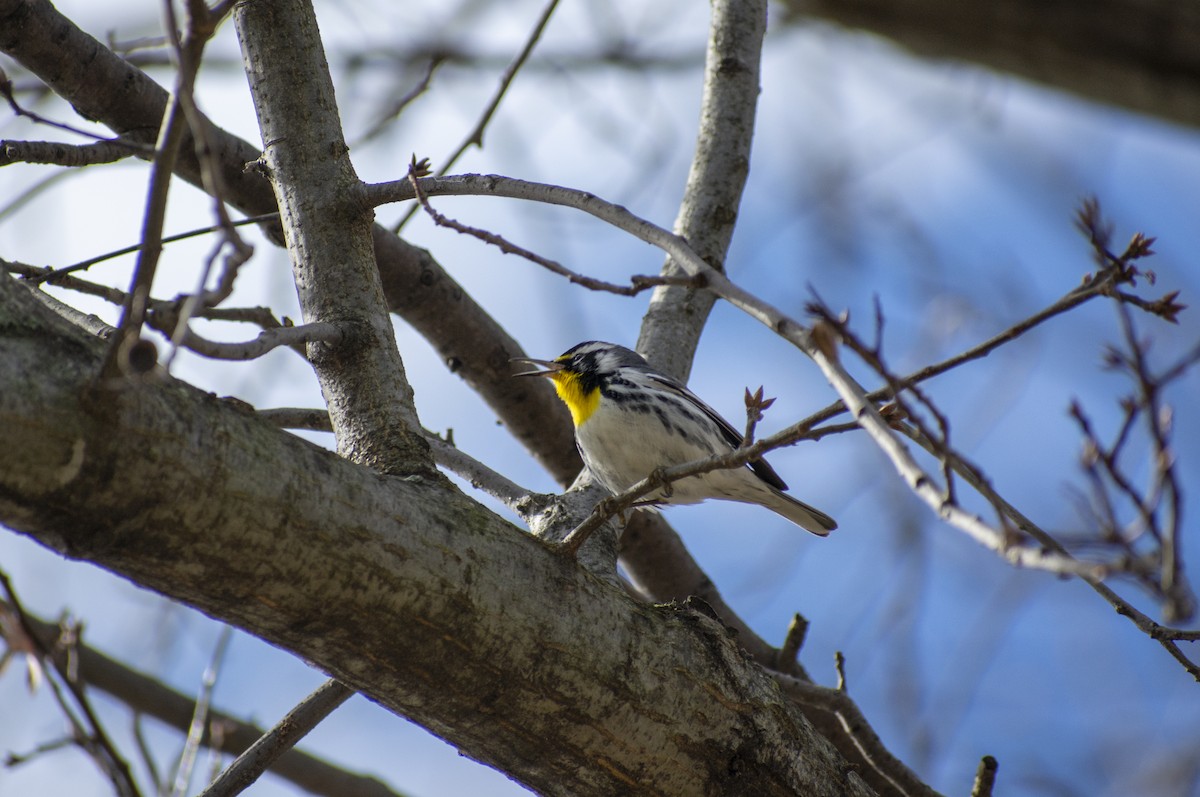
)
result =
(328, 236)
(708, 212)
(390, 585)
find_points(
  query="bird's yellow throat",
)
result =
(581, 404)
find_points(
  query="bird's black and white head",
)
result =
(600, 359)
(582, 370)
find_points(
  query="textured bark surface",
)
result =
(402, 588)
(328, 234)
(708, 211)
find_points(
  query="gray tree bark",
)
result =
(402, 588)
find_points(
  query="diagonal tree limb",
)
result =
(329, 238)
(394, 586)
(257, 758)
(720, 165)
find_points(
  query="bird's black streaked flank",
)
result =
(630, 419)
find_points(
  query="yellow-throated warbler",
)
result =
(630, 419)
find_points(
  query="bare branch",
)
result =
(92, 324)
(164, 316)
(397, 107)
(202, 22)
(166, 149)
(268, 339)
(72, 155)
(6, 90)
(53, 276)
(638, 284)
(480, 476)
(187, 759)
(251, 764)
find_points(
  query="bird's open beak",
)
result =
(550, 365)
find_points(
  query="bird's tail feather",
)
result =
(800, 513)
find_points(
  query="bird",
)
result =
(631, 419)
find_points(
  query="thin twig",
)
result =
(475, 137)
(397, 108)
(180, 108)
(139, 739)
(202, 22)
(133, 314)
(187, 759)
(1181, 603)
(6, 90)
(58, 153)
(52, 276)
(267, 340)
(163, 316)
(792, 642)
(251, 764)
(638, 283)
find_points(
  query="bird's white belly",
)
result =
(621, 448)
